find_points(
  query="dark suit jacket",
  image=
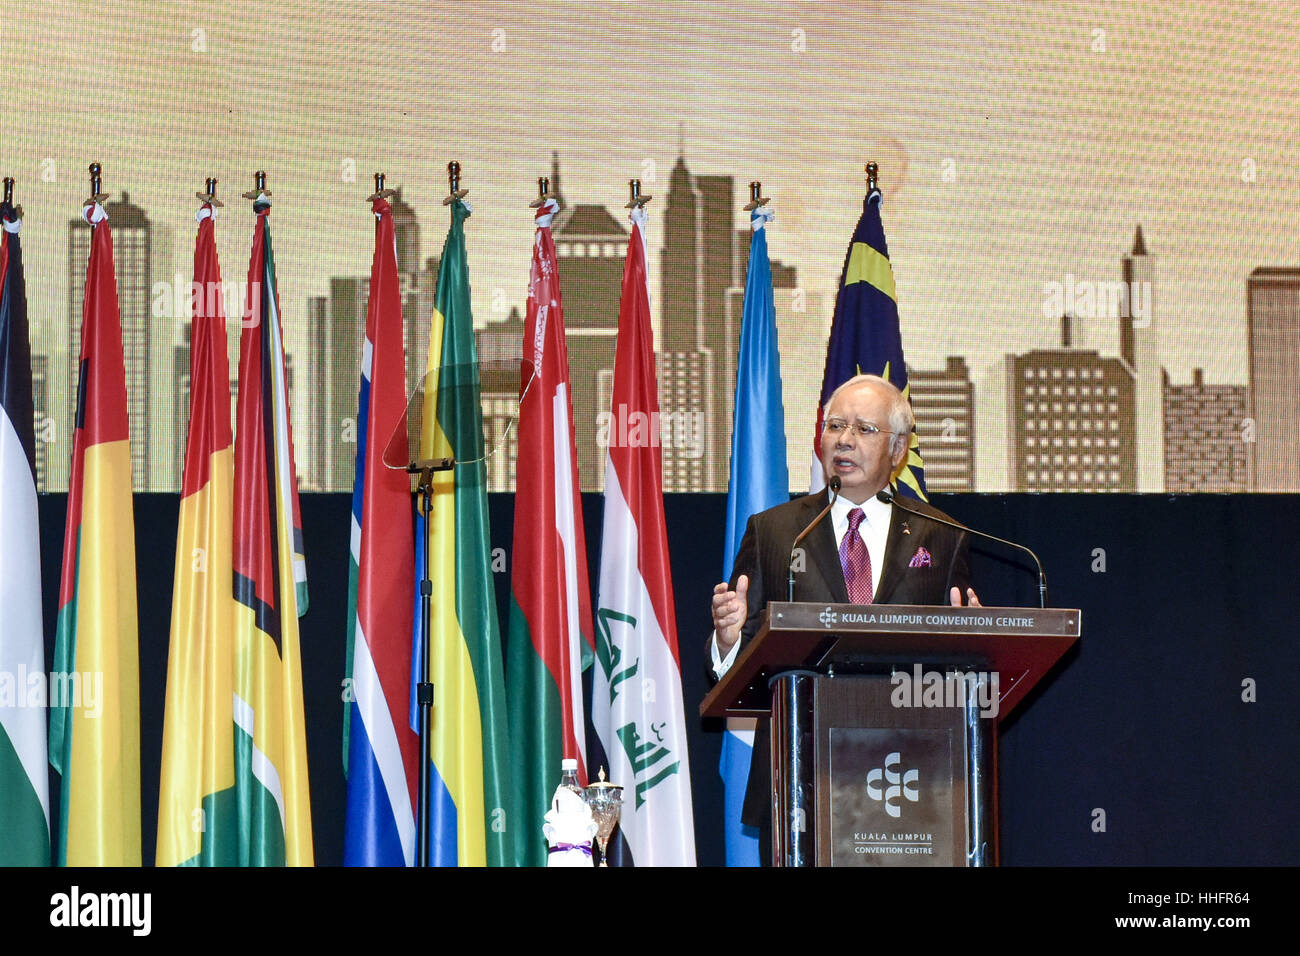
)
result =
(765, 556)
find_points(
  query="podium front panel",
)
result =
(892, 782)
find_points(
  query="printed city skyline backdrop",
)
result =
(1091, 214)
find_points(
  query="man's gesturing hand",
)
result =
(730, 608)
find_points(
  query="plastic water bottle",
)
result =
(569, 776)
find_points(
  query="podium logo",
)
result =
(901, 786)
(828, 617)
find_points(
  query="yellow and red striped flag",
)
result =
(196, 801)
(95, 685)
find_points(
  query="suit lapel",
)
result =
(825, 557)
(828, 561)
(896, 556)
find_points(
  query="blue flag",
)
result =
(759, 481)
(865, 336)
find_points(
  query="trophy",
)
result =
(606, 802)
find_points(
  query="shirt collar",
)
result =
(876, 513)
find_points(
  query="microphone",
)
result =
(889, 498)
(834, 486)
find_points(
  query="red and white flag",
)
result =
(637, 691)
(550, 609)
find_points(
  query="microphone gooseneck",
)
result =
(890, 498)
(834, 486)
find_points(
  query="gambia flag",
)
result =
(95, 684)
(270, 587)
(550, 607)
(637, 703)
(196, 799)
(471, 823)
(865, 336)
(383, 751)
(24, 780)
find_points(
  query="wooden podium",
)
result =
(884, 724)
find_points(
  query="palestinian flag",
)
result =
(24, 779)
(471, 823)
(550, 608)
(637, 705)
(382, 759)
(270, 587)
(95, 681)
(196, 800)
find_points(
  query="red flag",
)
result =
(550, 612)
(383, 749)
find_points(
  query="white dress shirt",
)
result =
(874, 531)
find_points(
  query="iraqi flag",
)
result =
(95, 728)
(865, 336)
(270, 587)
(550, 602)
(198, 756)
(382, 749)
(637, 704)
(24, 779)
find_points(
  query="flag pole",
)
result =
(380, 192)
(96, 184)
(872, 185)
(756, 197)
(425, 469)
(453, 183)
(543, 192)
(9, 197)
(209, 196)
(259, 186)
(635, 198)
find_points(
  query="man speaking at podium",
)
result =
(864, 551)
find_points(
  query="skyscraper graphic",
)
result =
(943, 401)
(703, 261)
(1072, 415)
(1273, 329)
(1140, 351)
(699, 336)
(138, 256)
(590, 246)
(181, 393)
(499, 346)
(40, 416)
(1204, 446)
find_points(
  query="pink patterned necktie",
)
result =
(856, 561)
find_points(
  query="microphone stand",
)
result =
(424, 687)
(834, 487)
(888, 498)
